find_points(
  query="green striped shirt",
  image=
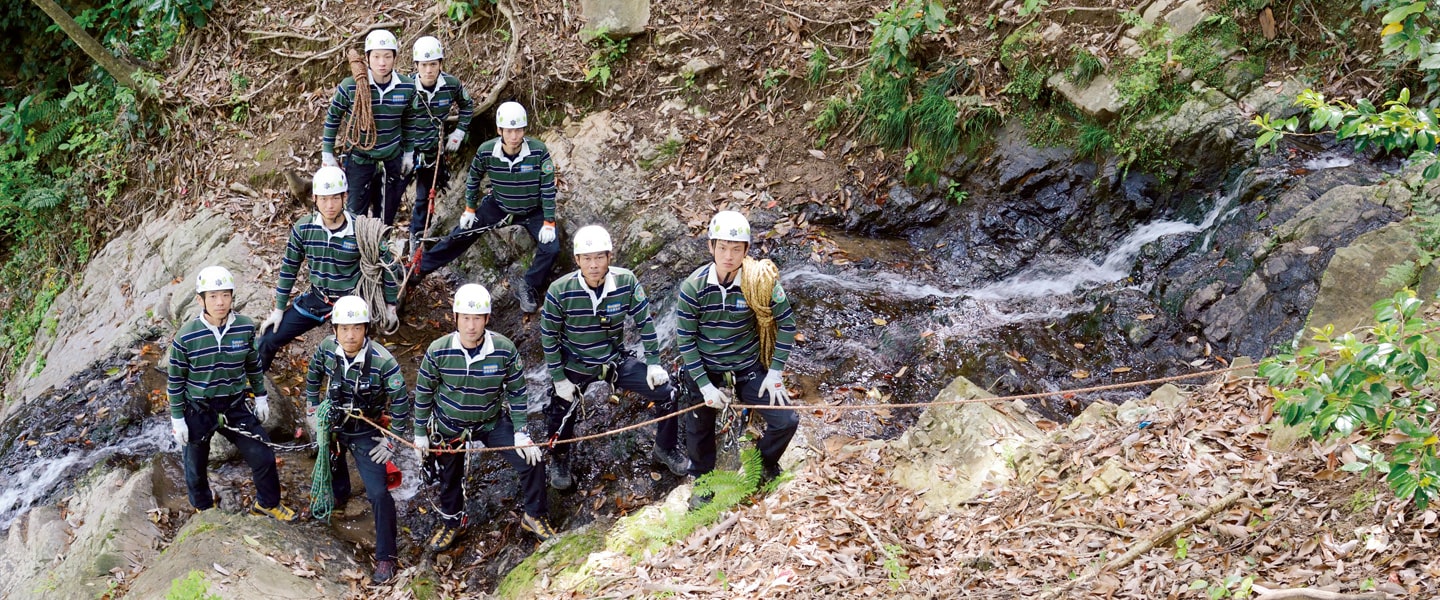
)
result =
(520, 184)
(334, 260)
(208, 363)
(469, 388)
(432, 106)
(391, 105)
(330, 365)
(715, 328)
(584, 331)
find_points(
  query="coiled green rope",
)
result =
(322, 495)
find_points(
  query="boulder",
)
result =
(242, 556)
(1100, 99)
(1355, 278)
(957, 451)
(614, 18)
(106, 526)
(139, 286)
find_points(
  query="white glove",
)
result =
(547, 234)
(422, 445)
(656, 376)
(181, 430)
(453, 143)
(313, 420)
(327, 159)
(714, 397)
(530, 452)
(774, 386)
(390, 313)
(262, 407)
(468, 219)
(383, 451)
(407, 163)
(272, 322)
(565, 389)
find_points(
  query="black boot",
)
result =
(559, 474)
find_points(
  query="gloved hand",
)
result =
(328, 160)
(181, 430)
(390, 314)
(530, 452)
(383, 451)
(468, 219)
(407, 164)
(566, 390)
(272, 322)
(774, 386)
(547, 233)
(714, 397)
(422, 445)
(453, 142)
(262, 407)
(312, 419)
(656, 376)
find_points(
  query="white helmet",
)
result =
(730, 225)
(214, 278)
(381, 40)
(592, 238)
(351, 310)
(428, 48)
(328, 181)
(510, 115)
(472, 299)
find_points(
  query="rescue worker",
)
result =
(391, 97)
(360, 377)
(582, 330)
(471, 388)
(716, 332)
(327, 240)
(213, 364)
(522, 186)
(435, 93)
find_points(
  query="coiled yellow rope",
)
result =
(757, 283)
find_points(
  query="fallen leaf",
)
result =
(251, 540)
(1144, 317)
(1120, 370)
(1079, 373)
(820, 154)
(879, 321)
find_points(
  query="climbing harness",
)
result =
(370, 235)
(357, 127)
(609, 374)
(757, 284)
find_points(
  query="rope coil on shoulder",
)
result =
(757, 284)
(371, 235)
(357, 127)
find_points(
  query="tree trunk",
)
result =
(120, 70)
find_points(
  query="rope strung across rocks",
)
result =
(826, 407)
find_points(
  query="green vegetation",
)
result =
(819, 66)
(1378, 387)
(666, 152)
(192, 587)
(829, 119)
(896, 573)
(1232, 586)
(568, 554)
(607, 54)
(1086, 67)
(729, 488)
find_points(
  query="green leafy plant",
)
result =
(1232, 586)
(819, 66)
(607, 54)
(954, 194)
(1182, 547)
(896, 573)
(1085, 68)
(192, 587)
(1379, 386)
(773, 78)
(1030, 7)
(1397, 128)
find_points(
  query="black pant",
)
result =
(487, 214)
(307, 312)
(359, 440)
(423, 176)
(780, 425)
(204, 423)
(452, 475)
(630, 376)
(372, 196)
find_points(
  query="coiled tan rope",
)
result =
(357, 127)
(757, 283)
(371, 235)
